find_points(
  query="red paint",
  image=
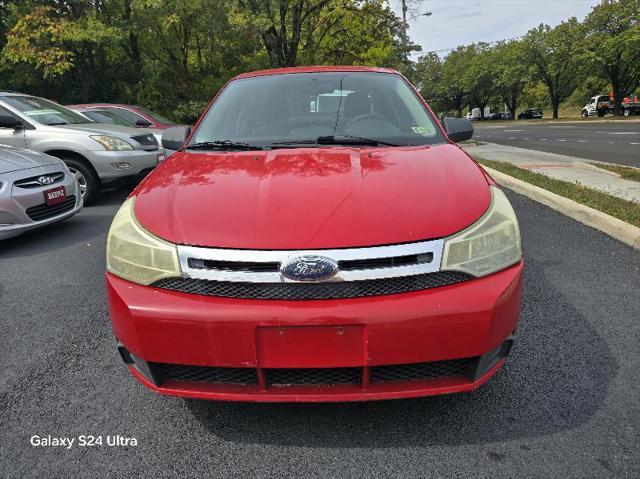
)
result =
(328, 197)
(312, 198)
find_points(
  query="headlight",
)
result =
(489, 245)
(135, 254)
(112, 143)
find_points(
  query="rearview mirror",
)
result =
(7, 121)
(174, 137)
(143, 123)
(458, 129)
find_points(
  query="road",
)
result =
(566, 405)
(617, 142)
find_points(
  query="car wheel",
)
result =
(626, 112)
(87, 180)
(584, 114)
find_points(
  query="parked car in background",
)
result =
(99, 155)
(110, 116)
(296, 253)
(530, 114)
(133, 115)
(35, 190)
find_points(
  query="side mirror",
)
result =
(143, 123)
(458, 129)
(174, 137)
(7, 121)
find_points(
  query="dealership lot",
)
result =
(613, 142)
(565, 405)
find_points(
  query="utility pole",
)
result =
(405, 25)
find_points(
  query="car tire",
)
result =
(626, 112)
(87, 179)
(584, 114)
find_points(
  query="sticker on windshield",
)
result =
(421, 130)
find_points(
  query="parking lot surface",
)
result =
(613, 142)
(566, 404)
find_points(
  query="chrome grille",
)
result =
(355, 264)
(40, 181)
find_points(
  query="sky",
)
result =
(460, 22)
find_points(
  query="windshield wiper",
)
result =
(222, 145)
(350, 140)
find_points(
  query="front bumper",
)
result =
(140, 162)
(22, 210)
(468, 324)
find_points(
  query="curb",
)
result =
(609, 225)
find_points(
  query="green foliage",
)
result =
(555, 54)
(173, 55)
(613, 45)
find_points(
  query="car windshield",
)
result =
(303, 108)
(45, 111)
(104, 116)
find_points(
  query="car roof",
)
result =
(101, 105)
(315, 69)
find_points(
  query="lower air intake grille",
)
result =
(177, 372)
(316, 376)
(418, 371)
(307, 291)
(44, 211)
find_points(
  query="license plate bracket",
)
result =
(310, 346)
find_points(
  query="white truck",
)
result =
(600, 105)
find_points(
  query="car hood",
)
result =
(312, 198)
(119, 131)
(16, 159)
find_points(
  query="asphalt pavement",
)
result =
(612, 142)
(566, 404)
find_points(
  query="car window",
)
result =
(45, 111)
(126, 115)
(104, 116)
(157, 117)
(304, 106)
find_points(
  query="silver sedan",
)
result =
(35, 190)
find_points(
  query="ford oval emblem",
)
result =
(309, 268)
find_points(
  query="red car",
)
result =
(124, 114)
(318, 237)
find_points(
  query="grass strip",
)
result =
(624, 210)
(625, 172)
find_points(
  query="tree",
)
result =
(478, 76)
(511, 73)
(556, 56)
(454, 89)
(613, 45)
(429, 80)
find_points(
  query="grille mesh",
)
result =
(146, 140)
(178, 372)
(316, 376)
(417, 371)
(44, 211)
(307, 291)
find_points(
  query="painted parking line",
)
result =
(583, 141)
(543, 139)
(562, 139)
(624, 133)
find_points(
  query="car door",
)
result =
(10, 136)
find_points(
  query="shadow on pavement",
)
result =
(556, 379)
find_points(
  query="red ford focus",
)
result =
(318, 237)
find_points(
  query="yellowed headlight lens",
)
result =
(489, 245)
(135, 254)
